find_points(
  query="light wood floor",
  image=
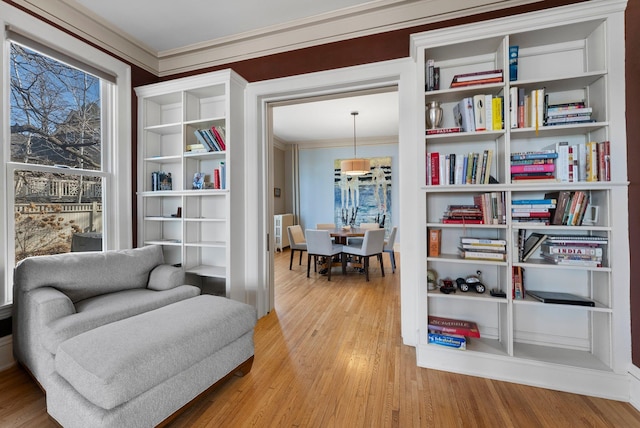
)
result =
(330, 355)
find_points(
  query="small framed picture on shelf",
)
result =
(198, 180)
(276, 192)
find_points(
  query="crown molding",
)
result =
(349, 23)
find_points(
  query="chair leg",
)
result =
(329, 263)
(392, 257)
(308, 264)
(300, 262)
(366, 267)
(291, 260)
(343, 260)
(381, 264)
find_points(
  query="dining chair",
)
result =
(388, 248)
(357, 240)
(297, 242)
(319, 244)
(325, 226)
(372, 245)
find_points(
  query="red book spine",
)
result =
(216, 178)
(435, 168)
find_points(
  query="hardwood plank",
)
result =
(330, 354)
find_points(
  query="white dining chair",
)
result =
(388, 247)
(319, 244)
(357, 240)
(372, 245)
(297, 242)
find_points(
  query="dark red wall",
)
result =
(632, 69)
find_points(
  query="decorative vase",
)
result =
(434, 115)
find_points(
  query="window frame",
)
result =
(116, 130)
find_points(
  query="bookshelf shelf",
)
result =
(170, 114)
(574, 54)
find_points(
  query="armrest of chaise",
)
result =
(165, 277)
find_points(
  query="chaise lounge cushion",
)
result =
(117, 362)
(84, 275)
(100, 310)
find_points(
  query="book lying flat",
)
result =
(560, 298)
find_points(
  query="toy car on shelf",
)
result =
(447, 286)
(471, 281)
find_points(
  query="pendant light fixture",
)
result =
(355, 166)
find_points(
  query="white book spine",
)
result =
(488, 112)
(562, 162)
(513, 107)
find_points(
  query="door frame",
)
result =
(259, 245)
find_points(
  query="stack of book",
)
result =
(161, 180)
(479, 113)
(568, 113)
(590, 161)
(570, 208)
(432, 76)
(532, 211)
(476, 78)
(517, 279)
(463, 214)
(492, 205)
(212, 139)
(483, 249)
(534, 166)
(452, 168)
(574, 250)
(451, 333)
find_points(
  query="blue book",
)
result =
(533, 201)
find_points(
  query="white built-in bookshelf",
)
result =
(574, 52)
(193, 223)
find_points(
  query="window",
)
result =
(67, 168)
(55, 116)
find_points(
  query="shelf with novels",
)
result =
(571, 141)
(191, 151)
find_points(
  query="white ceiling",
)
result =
(169, 24)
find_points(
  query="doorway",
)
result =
(259, 179)
(310, 134)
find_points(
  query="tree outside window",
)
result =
(56, 136)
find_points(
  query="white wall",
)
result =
(317, 185)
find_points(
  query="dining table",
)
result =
(341, 234)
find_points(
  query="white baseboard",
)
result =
(6, 353)
(634, 380)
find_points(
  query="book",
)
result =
(518, 282)
(483, 241)
(463, 114)
(513, 107)
(560, 298)
(571, 261)
(563, 197)
(579, 250)
(429, 75)
(435, 236)
(533, 168)
(449, 130)
(453, 326)
(513, 62)
(531, 244)
(545, 201)
(496, 113)
(478, 75)
(482, 81)
(521, 112)
(487, 172)
(577, 239)
(479, 114)
(543, 154)
(482, 255)
(488, 111)
(455, 341)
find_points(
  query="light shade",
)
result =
(355, 166)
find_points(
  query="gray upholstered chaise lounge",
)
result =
(115, 339)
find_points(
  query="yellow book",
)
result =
(496, 113)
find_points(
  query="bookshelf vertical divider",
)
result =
(573, 52)
(192, 218)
